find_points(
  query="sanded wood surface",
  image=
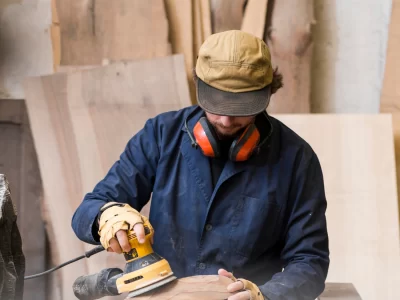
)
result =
(226, 14)
(255, 16)
(339, 291)
(207, 287)
(91, 30)
(81, 123)
(356, 153)
(290, 42)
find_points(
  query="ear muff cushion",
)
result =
(243, 147)
(206, 138)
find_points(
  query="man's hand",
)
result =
(244, 289)
(114, 222)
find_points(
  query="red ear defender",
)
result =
(206, 138)
(242, 148)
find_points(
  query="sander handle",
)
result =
(96, 286)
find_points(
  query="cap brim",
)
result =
(220, 102)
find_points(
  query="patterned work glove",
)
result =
(115, 217)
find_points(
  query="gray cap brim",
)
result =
(219, 102)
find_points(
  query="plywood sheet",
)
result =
(357, 158)
(92, 30)
(290, 41)
(339, 291)
(255, 16)
(74, 116)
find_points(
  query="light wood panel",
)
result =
(356, 153)
(119, 29)
(339, 291)
(81, 122)
(290, 42)
(255, 16)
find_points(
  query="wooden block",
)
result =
(118, 29)
(356, 153)
(339, 291)
(81, 122)
(206, 287)
(289, 39)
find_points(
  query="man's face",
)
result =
(228, 127)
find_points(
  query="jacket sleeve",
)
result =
(130, 180)
(306, 249)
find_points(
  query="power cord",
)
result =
(87, 254)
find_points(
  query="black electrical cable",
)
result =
(87, 254)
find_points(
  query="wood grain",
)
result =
(356, 152)
(206, 287)
(81, 122)
(92, 30)
(255, 16)
(290, 42)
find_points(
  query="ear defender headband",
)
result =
(241, 149)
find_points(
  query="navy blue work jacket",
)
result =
(264, 220)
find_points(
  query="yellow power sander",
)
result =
(144, 271)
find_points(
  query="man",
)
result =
(234, 191)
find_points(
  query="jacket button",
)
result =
(208, 227)
(202, 266)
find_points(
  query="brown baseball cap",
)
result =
(235, 71)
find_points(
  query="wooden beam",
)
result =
(290, 41)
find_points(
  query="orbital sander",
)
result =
(144, 271)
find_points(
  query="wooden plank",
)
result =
(356, 153)
(339, 291)
(255, 16)
(181, 28)
(226, 14)
(74, 115)
(30, 222)
(205, 13)
(203, 287)
(290, 41)
(390, 95)
(120, 29)
(18, 162)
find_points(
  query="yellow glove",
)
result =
(115, 217)
(255, 293)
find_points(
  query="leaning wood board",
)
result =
(356, 153)
(91, 31)
(18, 161)
(81, 122)
(390, 96)
(290, 41)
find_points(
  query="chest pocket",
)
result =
(255, 225)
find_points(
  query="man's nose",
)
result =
(226, 120)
